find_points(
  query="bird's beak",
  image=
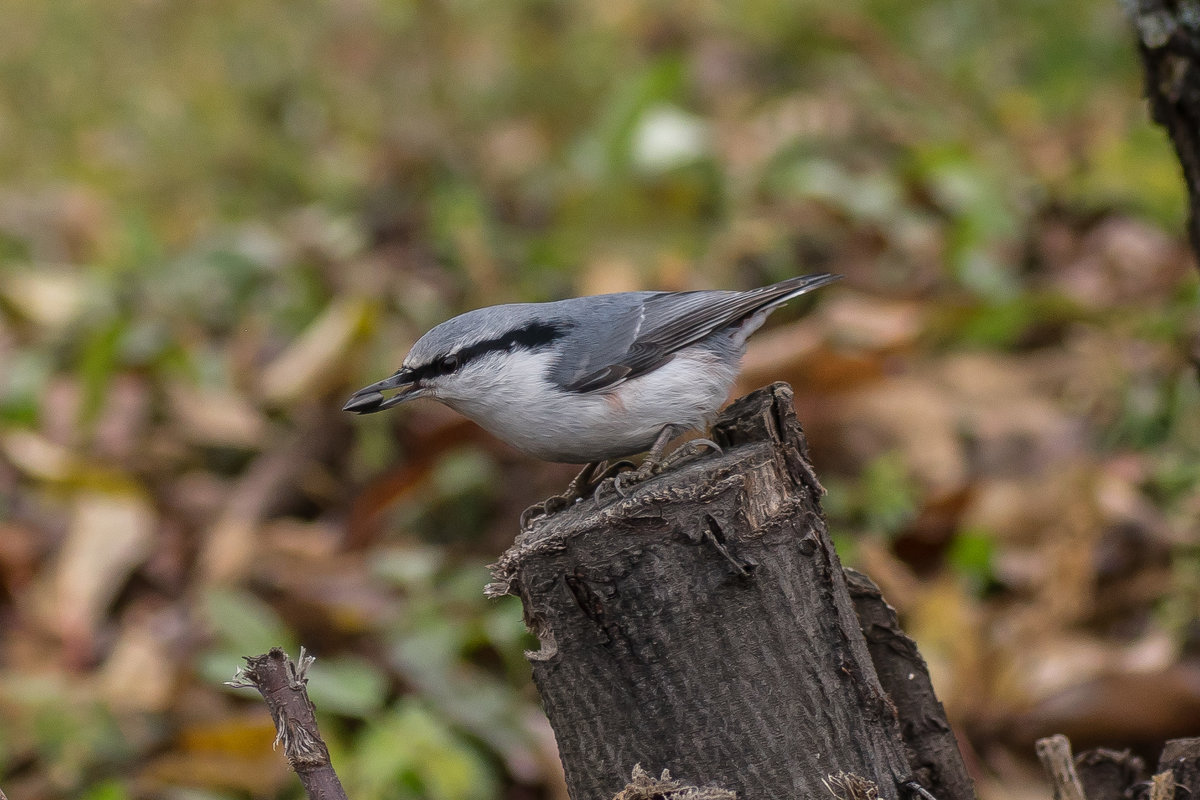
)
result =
(370, 399)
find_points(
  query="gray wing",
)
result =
(653, 326)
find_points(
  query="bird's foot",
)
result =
(687, 451)
(587, 483)
(608, 479)
(547, 508)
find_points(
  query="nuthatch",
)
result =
(590, 378)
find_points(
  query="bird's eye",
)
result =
(448, 363)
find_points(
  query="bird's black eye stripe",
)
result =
(533, 336)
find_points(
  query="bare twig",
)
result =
(281, 682)
(917, 790)
(1055, 755)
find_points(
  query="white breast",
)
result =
(517, 404)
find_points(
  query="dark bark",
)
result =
(1182, 758)
(1169, 43)
(703, 625)
(933, 749)
(281, 683)
(1106, 774)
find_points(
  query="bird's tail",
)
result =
(755, 305)
(768, 297)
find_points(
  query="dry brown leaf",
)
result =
(947, 622)
(18, 555)
(231, 543)
(229, 547)
(893, 577)
(141, 670)
(1013, 509)
(314, 363)
(1137, 708)
(1118, 261)
(49, 296)
(257, 774)
(38, 457)
(213, 417)
(779, 352)
(109, 536)
(918, 417)
(512, 148)
(120, 430)
(868, 323)
(607, 274)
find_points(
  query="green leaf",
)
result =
(347, 685)
(971, 554)
(242, 625)
(243, 622)
(410, 753)
(889, 497)
(106, 790)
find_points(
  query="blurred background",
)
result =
(218, 218)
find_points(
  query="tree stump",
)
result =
(1169, 44)
(703, 625)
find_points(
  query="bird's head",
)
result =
(460, 359)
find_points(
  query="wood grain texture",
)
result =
(702, 625)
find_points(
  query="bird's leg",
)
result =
(654, 456)
(609, 471)
(652, 461)
(655, 463)
(585, 483)
(556, 503)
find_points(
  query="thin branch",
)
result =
(281, 682)
(1055, 755)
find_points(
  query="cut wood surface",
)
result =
(703, 625)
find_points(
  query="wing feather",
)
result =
(655, 325)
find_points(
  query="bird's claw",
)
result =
(652, 467)
(589, 481)
(610, 478)
(530, 514)
(687, 451)
(622, 476)
(631, 478)
(547, 508)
